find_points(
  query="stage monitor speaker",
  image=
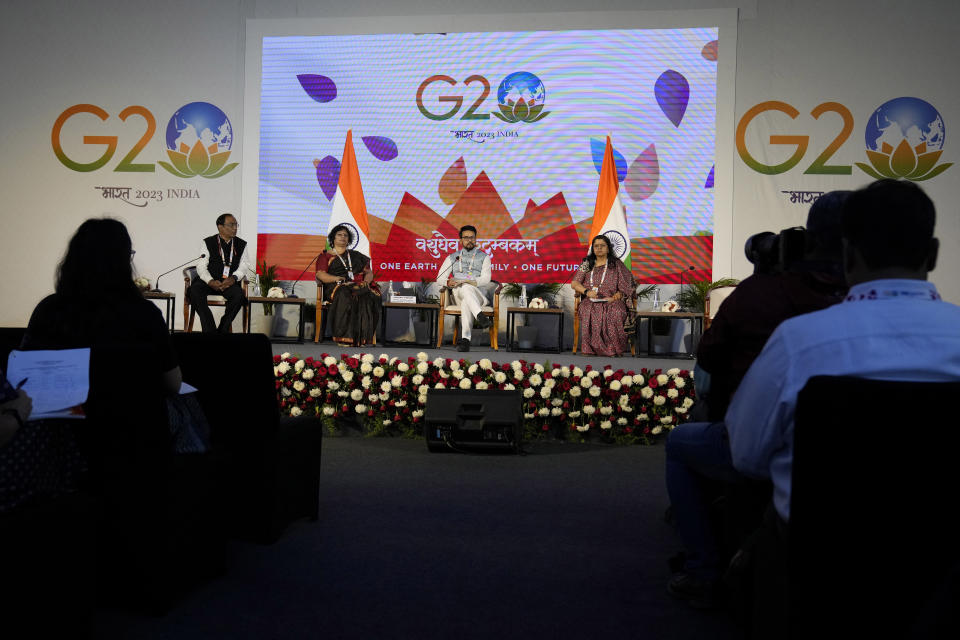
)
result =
(465, 419)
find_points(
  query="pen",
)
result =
(22, 382)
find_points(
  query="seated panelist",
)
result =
(347, 282)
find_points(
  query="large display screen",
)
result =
(501, 130)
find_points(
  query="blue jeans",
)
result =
(697, 450)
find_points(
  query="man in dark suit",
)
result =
(220, 273)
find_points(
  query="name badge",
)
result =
(226, 272)
(349, 275)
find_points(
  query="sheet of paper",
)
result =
(186, 388)
(57, 380)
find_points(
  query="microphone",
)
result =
(681, 280)
(156, 287)
(450, 266)
(294, 285)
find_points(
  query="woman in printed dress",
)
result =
(604, 283)
(347, 282)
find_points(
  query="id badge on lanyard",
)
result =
(226, 263)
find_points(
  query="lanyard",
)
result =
(602, 278)
(472, 258)
(226, 264)
(348, 265)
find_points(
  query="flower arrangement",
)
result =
(141, 283)
(388, 395)
(670, 306)
(538, 303)
(275, 292)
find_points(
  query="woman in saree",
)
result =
(347, 282)
(604, 282)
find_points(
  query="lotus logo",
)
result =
(904, 140)
(199, 138)
(520, 97)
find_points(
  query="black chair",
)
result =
(872, 538)
(273, 474)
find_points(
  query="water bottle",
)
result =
(523, 296)
(656, 299)
(256, 285)
(390, 292)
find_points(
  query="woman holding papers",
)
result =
(604, 283)
(348, 285)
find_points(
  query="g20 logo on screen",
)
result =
(198, 138)
(520, 98)
(903, 138)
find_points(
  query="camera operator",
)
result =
(796, 271)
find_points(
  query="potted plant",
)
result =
(693, 295)
(268, 280)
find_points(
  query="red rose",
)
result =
(628, 429)
(545, 427)
(646, 430)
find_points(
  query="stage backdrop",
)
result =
(501, 130)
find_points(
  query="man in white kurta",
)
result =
(465, 273)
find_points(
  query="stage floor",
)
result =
(476, 353)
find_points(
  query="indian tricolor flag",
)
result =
(349, 207)
(609, 217)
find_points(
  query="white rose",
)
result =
(417, 414)
(356, 395)
(672, 372)
(403, 367)
(333, 386)
(662, 379)
(556, 402)
(386, 422)
(621, 421)
(295, 411)
(284, 355)
(422, 389)
(582, 428)
(366, 358)
(482, 385)
(605, 424)
(276, 372)
(366, 367)
(556, 412)
(626, 381)
(589, 410)
(517, 374)
(285, 392)
(638, 379)
(283, 367)
(458, 374)
(508, 387)
(422, 399)
(385, 386)
(422, 357)
(593, 374)
(438, 362)
(402, 403)
(586, 382)
(454, 365)
(528, 392)
(666, 419)
(516, 365)
(500, 377)
(396, 381)
(307, 374)
(473, 369)
(528, 416)
(465, 383)
(360, 408)
(315, 393)
(416, 379)
(643, 416)
(672, 393)
(342, 394)
(691, 374)
(545, 393)
(378, 372)
(575, 392)
(555, 373)
(347, 376)
(595, 391)
(422, 367)
(538, 368)
(680, 410)
(485, 364)
(577, 372)
(543, 412)
(605, 411)
(299, 365)
(549, 383)
(646, 393)
(299, 386)
(365, 382)
(535, 380)
(443, 375)
(328, 410)
(607, 373)
(565, 372)
(659, 401)
(574, 414)
(657, 430)
(615, 385)
(329, 361)
(680, 383)
(687, 403)
(439, 385)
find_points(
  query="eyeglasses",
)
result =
(232, 225)
(468, 237)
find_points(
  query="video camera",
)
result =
(775, 252)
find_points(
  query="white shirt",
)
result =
(445, 271)
(884, 329)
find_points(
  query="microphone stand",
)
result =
(449, 267)
(294, 285)
(156, 286)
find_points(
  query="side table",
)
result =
(251, 300)
(432, 311)
(696, 327)
(169, 298)
(512, 313)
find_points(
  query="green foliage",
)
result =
(646, 292)
(538, 290)
(268, 279)
(693, 295)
